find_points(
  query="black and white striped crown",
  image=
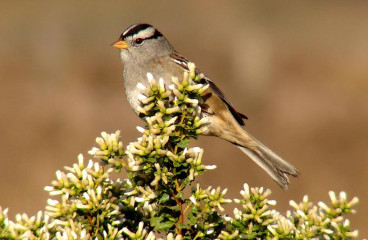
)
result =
(142, 30)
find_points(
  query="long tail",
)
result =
(273, 164)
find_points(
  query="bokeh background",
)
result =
(298, 70)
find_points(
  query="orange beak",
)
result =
(120, 44)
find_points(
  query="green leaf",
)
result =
(156, 220)
(185, 183)
(180, 195)
(164, 225)
(183, 226)
(177, 164)
(238, 225)
(174, 208)
(165, 197)
(183, 143)
(191, 219)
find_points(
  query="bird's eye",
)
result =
(138, 41)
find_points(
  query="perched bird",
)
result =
(144, 49)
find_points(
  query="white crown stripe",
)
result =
(126, 31)
(146, 33)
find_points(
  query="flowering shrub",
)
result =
(151, 203)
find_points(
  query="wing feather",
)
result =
(183, 62)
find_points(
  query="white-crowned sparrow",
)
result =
(144, 49)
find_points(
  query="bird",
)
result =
(144, 49)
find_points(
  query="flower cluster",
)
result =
(110, 150)
(151, 203)
(323, 221)
(255, 220)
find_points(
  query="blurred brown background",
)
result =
(297, 70)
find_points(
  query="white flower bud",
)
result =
(210, 167)
(175, 81)
(141, 86)
(161, 84)
(141, 97)
(149, 77)
(140, 129)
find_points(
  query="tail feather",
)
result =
(273, 164)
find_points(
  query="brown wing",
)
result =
(183, 62)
